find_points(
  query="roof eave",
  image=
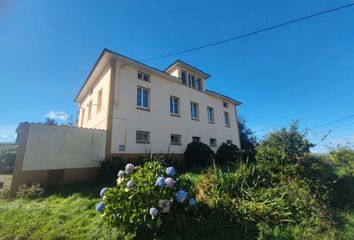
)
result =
(90, 74)
(179, 62)
(235, 102)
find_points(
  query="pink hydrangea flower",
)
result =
(169, 182)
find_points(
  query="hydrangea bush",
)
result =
(149, 200)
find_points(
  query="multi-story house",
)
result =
(144, 109)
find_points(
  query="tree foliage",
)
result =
(281, 149)
(248, 140)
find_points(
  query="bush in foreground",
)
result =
(198, 154)
(148, 202)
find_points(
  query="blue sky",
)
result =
(303, 71)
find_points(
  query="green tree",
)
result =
(282, 148)
(344, 156)
(248, 140)
(50, 121)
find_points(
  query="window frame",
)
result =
(147, 141)
(191, 80)
(197, 111)
(227, 117)
(89, 111)
(225, 104)
(179, 139)
(210, 143)
(83, 116)
(212, 115)
(141, 101)
(184, 80)
(99, 100)
(143, 75)
(196, 137)
(177, 106)
(199, 84)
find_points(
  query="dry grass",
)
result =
(6, 179)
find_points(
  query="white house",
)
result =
(145, 109)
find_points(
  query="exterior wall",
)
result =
(59, 147)
(98, 119)
(127, 119)
(56, 154)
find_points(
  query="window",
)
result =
(89, 111)
(199, 84)
(99, 101)
(225, 104)
(195, 139)
(212, 142)
(227, 119)
(194, 111)
(83, 116)
(191, 80)
(183, 77)
(210, 112)
(144, 76)
(142, 137)
(229, 142)
(175, 139)
(142, 100)
(174, 105)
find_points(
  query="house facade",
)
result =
(144, 109)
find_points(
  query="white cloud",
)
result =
(4, 138)
(59, 116)
(7, 133)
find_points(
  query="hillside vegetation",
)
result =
(281, 192)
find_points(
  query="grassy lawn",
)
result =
(68, 214)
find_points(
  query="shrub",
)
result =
(344, 157)
(5, 193)
(280, 150)
(31, 191)
(343, 192)
(7, 158)
(109, 168)
(149, 201)
(198, 154)
(258, 212)
(228, 153)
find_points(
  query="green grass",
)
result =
(66, 215)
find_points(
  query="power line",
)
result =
(249, 34)
(330, 123)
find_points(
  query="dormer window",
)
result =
(191, 80)
(144, 76)
(183, 77)
(199, 84)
